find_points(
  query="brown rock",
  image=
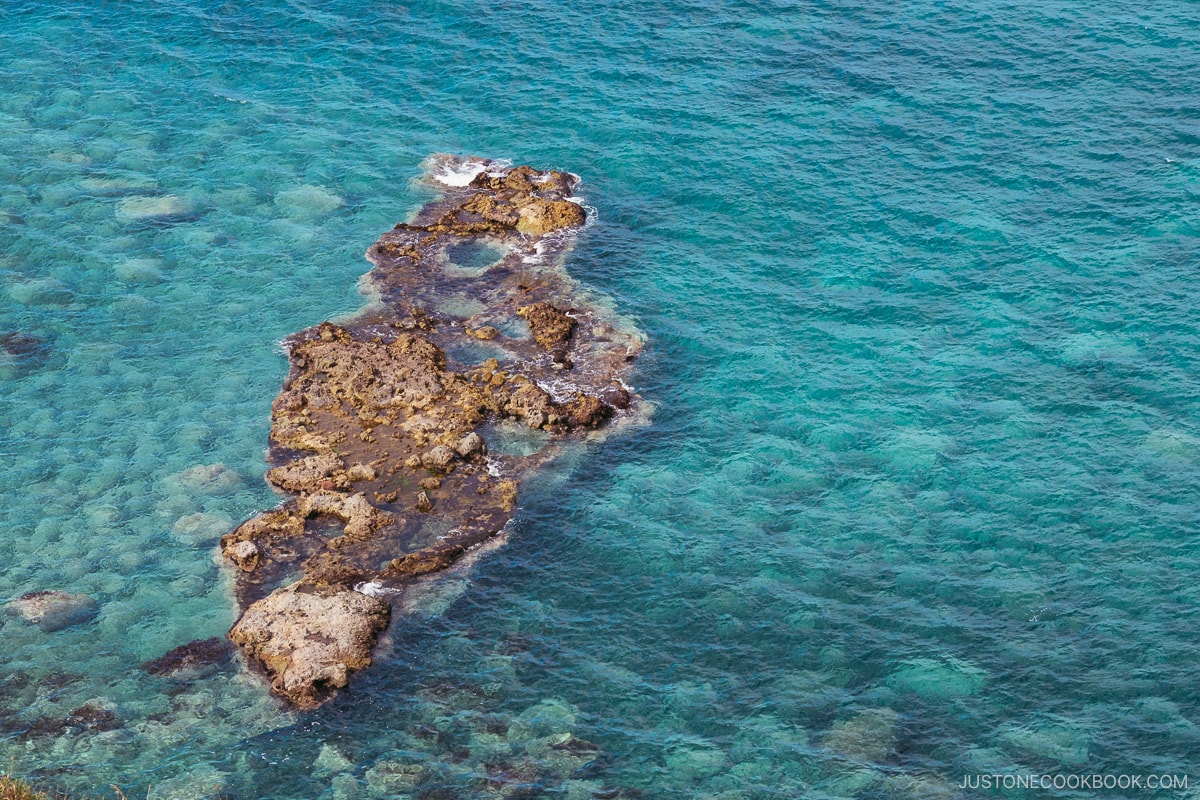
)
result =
(551, 327)
(585, 412)
(438, 459)
(469, 445)
(309, 474)
(487, 332)
(539, 217)
(361, 472)
(308, 643)
(378, 400)
(245, 554)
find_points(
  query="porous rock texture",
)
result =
(382, 434)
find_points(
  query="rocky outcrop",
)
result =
(309, 641)
(380, 432)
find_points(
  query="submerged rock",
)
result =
(206, 479)
(21, 352)
(93, 718)
(936, 678)
(869, 735)
(53, 610)
(163, 208)
(40, 292)
(202, 527)
(191, 661)
(379, 433)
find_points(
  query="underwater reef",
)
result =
(388, 434)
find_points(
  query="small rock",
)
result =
(245, 555)
(40, 292)
(438, 459)
(423, 502)
(869, 735)
(52, 610)
(469, 444)
(361, 472)
(307, 201)
(486, 333)
(20, 352)
(934, 678)
(201, 784)
(696, 763)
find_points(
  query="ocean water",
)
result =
(921, 495)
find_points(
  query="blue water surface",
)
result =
(921, 494)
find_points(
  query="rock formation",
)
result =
(385, 431)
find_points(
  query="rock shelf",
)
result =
(385, 436)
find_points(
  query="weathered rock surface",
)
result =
(309, 641)
(53, 610)
(380, 430)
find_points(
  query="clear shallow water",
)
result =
(920, 498)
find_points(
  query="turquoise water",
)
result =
(921, 494)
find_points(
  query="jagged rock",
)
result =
(314, 473)
(53, 610)
(438, 459)
(551, 327)
(309, 642)
(469, 445)
(585, 412)
(362, 472)
(372, 421)
(245, 554)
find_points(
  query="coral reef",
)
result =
(381, 430)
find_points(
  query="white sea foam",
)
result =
(375, 589)
(560, 390)
(460, 173)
